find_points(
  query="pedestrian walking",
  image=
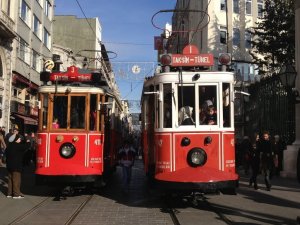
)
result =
(246, 148)
(278, 146)
(14, 160)
(255, 162)
(126, 160)
(266, 158)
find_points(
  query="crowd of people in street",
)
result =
(262, 155)
(17, 151)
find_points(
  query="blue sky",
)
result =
(125, 21)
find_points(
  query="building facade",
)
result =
(7, 36)
(83, 36)
(31, 47)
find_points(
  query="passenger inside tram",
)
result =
(185, 116)
(55, 124)
(211, 116)
(208, 103)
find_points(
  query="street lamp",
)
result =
(287, 76)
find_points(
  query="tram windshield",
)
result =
(197, 105)
(77, 112)
(73, 111)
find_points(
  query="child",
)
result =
(55, 124)
(211, 116)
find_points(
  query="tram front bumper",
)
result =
(200, 178)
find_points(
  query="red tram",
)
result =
(79, 127)
(188, 125)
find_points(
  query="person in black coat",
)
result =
(14, 163)
(266, 158)
(255, 162)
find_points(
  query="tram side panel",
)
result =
(163, 157)
(229, 152)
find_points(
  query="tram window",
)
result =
(226, 105)
(77, 116)
(186, 105)
(60, 111)
(167, 105)
(208, 105)
(157, 108)
(93, 112)
(45, 110)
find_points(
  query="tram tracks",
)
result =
(192, 211)
(47, 205)
(24, 215)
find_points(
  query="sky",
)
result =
(126, 30)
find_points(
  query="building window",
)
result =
(36, 26)
(223, 36)
(247, 39)
(8, 7)
(34, 60)
(24, 51)
(260, 8)
(223, 5)
(25, 12)
(236, 37)
(1, 68)
(248, 7)
(47, 8)
(46, 39)
(236, 6)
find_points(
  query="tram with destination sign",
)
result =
(188, 125)
(79, 127)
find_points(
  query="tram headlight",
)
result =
(67, 150)
(185, 141)
(207, 140)
(196, 157)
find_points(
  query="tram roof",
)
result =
(80, 89)
(72, 89)
(189, 77)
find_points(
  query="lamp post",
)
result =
(287, 76)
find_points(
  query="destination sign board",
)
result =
(72, 74)
(192, 60)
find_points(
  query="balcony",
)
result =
(6, 26)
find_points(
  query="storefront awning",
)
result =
(27, 120)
